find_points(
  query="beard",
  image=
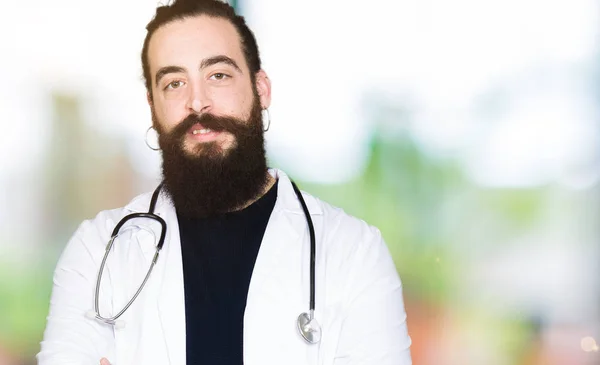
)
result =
(210, 180)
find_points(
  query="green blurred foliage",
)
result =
(401, 192)
(24, 301)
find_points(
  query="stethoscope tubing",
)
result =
(313, 248)
(306, 332)
(115, 233)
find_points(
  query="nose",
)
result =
(199, 100)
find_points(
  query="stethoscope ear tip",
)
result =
(119, 324)
(91, 314)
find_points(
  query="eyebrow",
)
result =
(219, 59)
(163, 71)
(167, 70)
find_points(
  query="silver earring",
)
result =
(146, 139)
(268, 118)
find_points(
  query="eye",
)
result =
(174, 84)
(219, 76)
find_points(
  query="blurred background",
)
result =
(468, 131)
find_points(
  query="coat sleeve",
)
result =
(374, 330)
(70, 337)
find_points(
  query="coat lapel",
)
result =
(171, 303)
(279, 288)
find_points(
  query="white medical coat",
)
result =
(359, 301)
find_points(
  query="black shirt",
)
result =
(218, 258)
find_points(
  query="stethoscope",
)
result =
(308, 327)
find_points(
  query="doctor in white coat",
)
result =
(200, 62)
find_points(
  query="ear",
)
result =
(149, 98)
(263, 87)
(151, 104)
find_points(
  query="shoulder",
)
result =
(104, 222)
(87, 245)
(354, 254)
(343, 231)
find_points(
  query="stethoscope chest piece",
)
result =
(309, 328)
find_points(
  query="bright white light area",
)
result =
(85, 48)
(323, 58)
(543, 138)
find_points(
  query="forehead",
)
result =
(188, 41)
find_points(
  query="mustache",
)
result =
(235, 126)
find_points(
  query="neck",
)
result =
(270, 182)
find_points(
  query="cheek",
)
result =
(169, 113)
(235, 100)
(236, 104)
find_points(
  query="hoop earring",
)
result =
(146, 140)
(268, 119)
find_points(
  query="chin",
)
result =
(208, 149)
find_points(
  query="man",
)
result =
(234, 271)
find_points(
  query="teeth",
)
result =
(201, 131)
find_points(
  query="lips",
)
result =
(202, 134)
(199, 129)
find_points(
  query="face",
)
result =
(198, 67)
(208, 115)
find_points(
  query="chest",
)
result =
(278, 293)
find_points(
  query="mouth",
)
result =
(201, 134)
